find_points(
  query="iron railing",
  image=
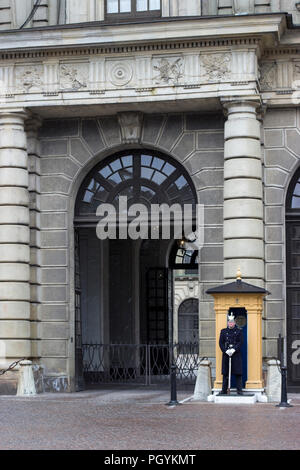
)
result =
(147, 364)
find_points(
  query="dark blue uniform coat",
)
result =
(232, 336)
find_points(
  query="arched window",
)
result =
(293, 199)
(144, 177)
(188, 322)
(183, 258)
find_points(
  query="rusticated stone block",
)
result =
(274, 138)
(210, 140)
(54, 147)
(293, 140)
(111, 130)
(80, 151)
(280, 118)
(172, 131)
(53, 238)
(198, 122)
(55, 184)
(152, 126)
(91, 135)
(185, 146)
(281, 158)
(59, 128)
(60, 165)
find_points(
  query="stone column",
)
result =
(243, 193)
(33, 150)
(14, 237)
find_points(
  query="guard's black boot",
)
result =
(239, 392)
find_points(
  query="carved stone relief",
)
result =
(73, 76)
(215, 67)
(131, 126)
(169, 70)
(268, 75)
(29, 78)
(297, 72)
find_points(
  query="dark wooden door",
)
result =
(157, 306)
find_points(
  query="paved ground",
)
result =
(134, 419)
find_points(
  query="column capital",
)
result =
(240, 105)
(16, 116)
(7, 111)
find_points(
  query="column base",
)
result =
(254, 384)
(218, 384)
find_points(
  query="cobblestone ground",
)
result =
(115, 419)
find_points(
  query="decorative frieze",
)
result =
(142, 72)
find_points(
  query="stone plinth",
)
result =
(273, 388)
(203, 382)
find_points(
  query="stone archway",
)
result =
(108, 278)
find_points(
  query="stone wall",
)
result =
(69, 149)
(281, 159)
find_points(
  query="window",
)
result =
(183, 258)
(188, 321)
(143, 176)
(132, 8)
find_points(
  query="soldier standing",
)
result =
(231, 340)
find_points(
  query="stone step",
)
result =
(235, 399)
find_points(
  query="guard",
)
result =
(231, 340)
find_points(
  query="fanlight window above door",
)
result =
(144, 177)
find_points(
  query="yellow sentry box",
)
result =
(240, 294)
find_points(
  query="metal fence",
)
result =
(147, 364)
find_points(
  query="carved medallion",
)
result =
(120, 73)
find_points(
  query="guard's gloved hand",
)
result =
(229, 352)
(232, 351)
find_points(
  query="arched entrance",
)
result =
(293, 282)
(123, 293)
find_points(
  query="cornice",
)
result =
(162, 35)
(228, 43)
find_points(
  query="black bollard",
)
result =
(173, 401)
(284, 403)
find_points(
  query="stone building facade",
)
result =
(211, 87)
